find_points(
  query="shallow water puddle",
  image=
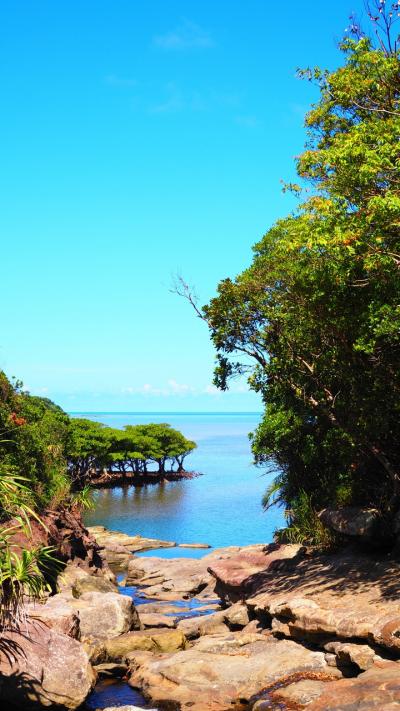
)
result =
(111, 692)
(187, 608)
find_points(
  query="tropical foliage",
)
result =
(315, 319)
(137, 448)
(46, 459)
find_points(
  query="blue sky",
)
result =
(140, 139)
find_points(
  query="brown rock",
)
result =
(235, 575)
(153, 619)
(346, 653)
(101, 615)
(167, 579)
(133, 544)
(236, 616)
(194, 627)
(60, 619)
(42, 668)
(222, 670)
(193, 545)
(377, 688)
(93, 583)
(299, 693)
(151, 640)
(351, 521)
(347, 596)
(108, 669)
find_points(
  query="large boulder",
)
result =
(101, 615)
(93, 583)
(351, 521)
(222, 670)
(42, 668)
(74, 575)
(59, 618)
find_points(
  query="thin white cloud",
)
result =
(173, 388)
(212, 390)
(114, 80)
(173, 102)
(177, 100)
(188, 35)
(247, 121)
(42, 392)
(179, 388)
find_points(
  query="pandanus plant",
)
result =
(23, 572)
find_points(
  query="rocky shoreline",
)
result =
(246, 628)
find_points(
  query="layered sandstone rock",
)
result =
(237, 575)
(167, 579)
(377, 688)
(117, 548)
(220, 670)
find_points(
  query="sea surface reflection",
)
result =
(222, 507)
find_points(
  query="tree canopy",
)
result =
(136, 448)
(315, 319)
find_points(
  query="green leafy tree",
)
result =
(88, 448)
(314, 321)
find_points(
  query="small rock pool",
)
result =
(116, 692)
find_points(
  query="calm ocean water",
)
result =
(222, 507)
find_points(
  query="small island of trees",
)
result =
(100, 455)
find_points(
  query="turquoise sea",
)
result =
(222, 507)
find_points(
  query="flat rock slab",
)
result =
(222, 670)
(169, 578)
(347, 596)
(235, 575)
(134, 544)
(193, 545)
(153, 619)
(378, 688)
(300, 693)
(150, 640)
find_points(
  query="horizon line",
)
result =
(164, 412)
